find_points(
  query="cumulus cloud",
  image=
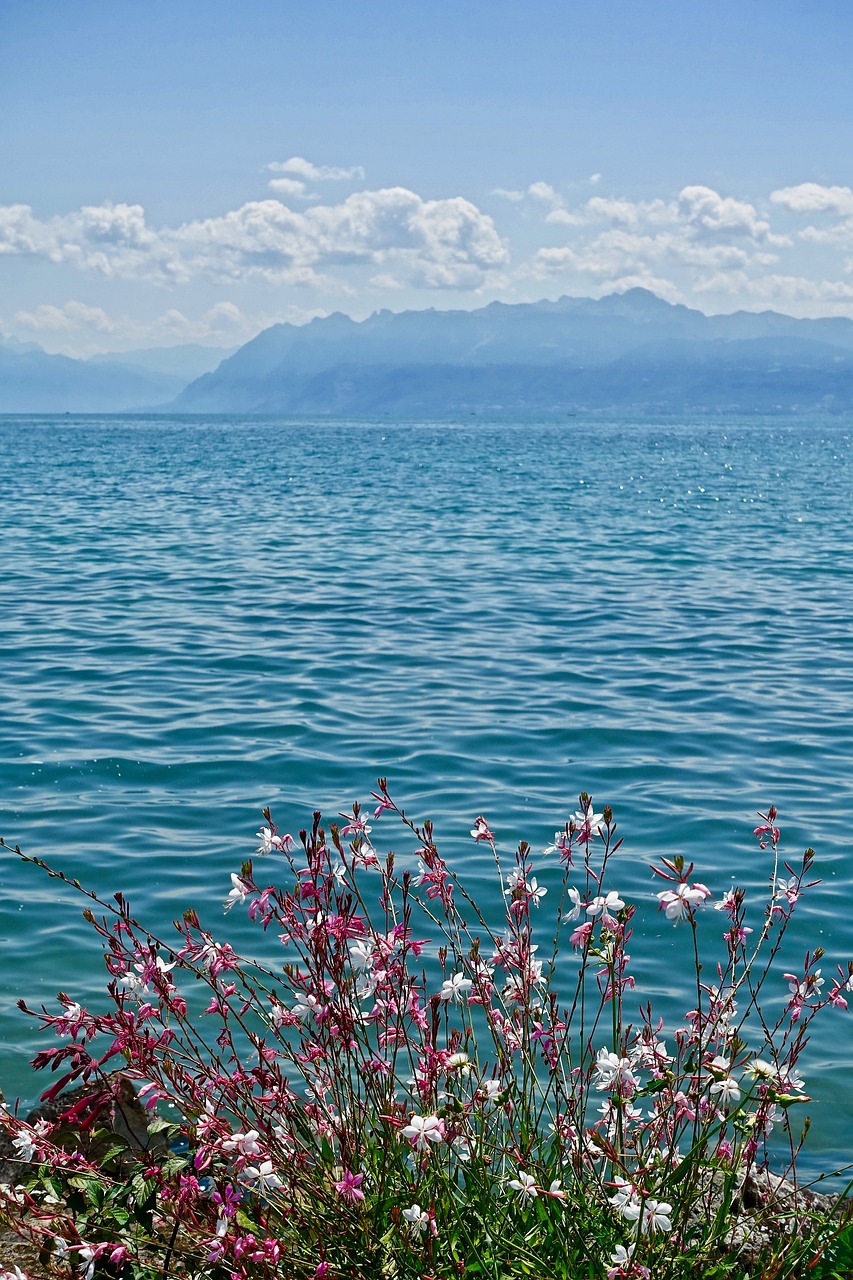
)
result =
(75, 328)
(71, 317)
(289, 188)
(315, 172)
(545, 194)
(445, 243)
(777, 288)
(712, 216)
(699, 233)
(540, 192)
(811, 197)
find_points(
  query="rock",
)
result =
(89, 1119)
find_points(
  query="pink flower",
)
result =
(480, 830)
(349, 1186)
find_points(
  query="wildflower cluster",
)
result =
(394, 1087)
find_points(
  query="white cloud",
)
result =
(712, 216)
(594, 179)
(541, 192)
(810, 197)
(445, 243)
(315, 172)
(545, 194)
(72, 317)
(77, 329)
(777, 288)
(670, 241)
(289, 188)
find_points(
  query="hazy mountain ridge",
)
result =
(34, 381)
(631, 350)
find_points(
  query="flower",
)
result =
(727, 1089)
(417, 1218)
(525, 1185)
(656, 1216)
(238, 892)
(269, 841)
(89, 1254)
(588, 824)
(246, 1144)
(490, 1090)
(349, 1186)
(604, 906)
(620, 1258)
(480, 830)
(678, 903)
(455, 987)
(575, 899)
(761, 1069)
(613, 1071)
(422, 1130)
(263, 1175)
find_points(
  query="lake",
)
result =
(201, 617)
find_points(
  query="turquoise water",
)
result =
(201, 617)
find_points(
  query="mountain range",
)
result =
(34, 381)
(630, 351)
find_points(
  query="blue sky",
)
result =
(190, 171)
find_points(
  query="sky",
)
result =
(182, 171)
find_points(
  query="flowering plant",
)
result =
(394, 1088)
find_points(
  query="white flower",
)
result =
(809, 986)
(362, 952)
(728, 1090)
(556, 1190)
(263, 1175)
(269, 841)
(588, 823)
(613, 1071)
(24, 1144)
(462, 1148)
(761, 1069)
(417, 1218)
(575, 899)
(525, 1185)
(304, 1009)
(607, 905)
(244, 1143)
(656, 1216)
(679, 902)
(88, 1255)
(459, 1062)
(238, 892)
(13, 1273)
(422, 1130)
(492, 1089)
(455, 987)
(560, 845)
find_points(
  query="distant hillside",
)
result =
(630, 350)
(32, 381)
